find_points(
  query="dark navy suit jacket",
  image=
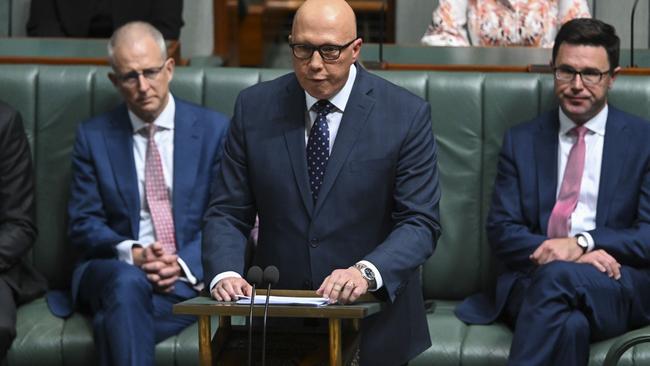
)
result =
(104, 206)
(378, 201)
(525, 193)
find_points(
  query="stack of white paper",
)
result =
(283, 300)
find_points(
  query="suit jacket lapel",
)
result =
(119, 144)
(294, 134)
(354, 118)
(187, 156)
(615, 151)
(546, 158)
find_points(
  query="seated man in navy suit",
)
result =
(340, 165)
(141, 181)
(570, 214)
(19, 281)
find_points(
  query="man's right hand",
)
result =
(227, 289)
(562, 249)
(162, 269)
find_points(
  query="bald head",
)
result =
(324, 27)
(326, 15)
(141, 70)
(131, 35)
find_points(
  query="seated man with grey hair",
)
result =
(141, 178)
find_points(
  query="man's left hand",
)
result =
(163, 272)
(343, 286)
(563, 249)
(603, 261)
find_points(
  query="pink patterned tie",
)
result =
(558, 223)
(157, 196)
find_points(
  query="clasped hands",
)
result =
(162, 269)
(567, 249)
(342, 285)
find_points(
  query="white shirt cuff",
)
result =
(124, 250)
(221, 276)
(186, 270)
(380, 282)
(590, 241)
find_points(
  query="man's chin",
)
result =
(146, 114)
(319, 93)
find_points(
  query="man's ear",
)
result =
(613, 76)
(356, 48)
(113, 78)
(170, 65)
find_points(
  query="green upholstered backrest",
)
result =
(53, 100)
(470, 112)
(5, 18)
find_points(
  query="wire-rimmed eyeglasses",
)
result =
(132, 78)
(588, 76)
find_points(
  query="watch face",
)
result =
(582, 242)
(369, 273)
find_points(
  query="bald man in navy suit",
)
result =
(341, 167)
(141, 180)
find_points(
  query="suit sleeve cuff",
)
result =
(221, 276)
(380, 282)
(124, 250)
(590, 241)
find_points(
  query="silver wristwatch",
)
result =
(582, 242)
(368, 275)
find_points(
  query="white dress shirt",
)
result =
(583, 217)
(340, 101)
(164, 138)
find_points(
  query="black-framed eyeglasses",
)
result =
(328, 52)
(132, 78)
(588, 76)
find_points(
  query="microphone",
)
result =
(636, 2)
(254, 277)
(271, 277)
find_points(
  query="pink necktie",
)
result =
(157, 196)
(559, 222)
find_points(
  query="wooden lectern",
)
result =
(339, 352)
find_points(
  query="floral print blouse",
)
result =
(531, 23)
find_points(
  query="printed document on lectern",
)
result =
(283, 300)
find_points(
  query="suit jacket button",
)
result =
(313, 242)
(306, 285)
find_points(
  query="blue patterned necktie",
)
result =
(318, 146)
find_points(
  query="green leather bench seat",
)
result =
(456, 344)
(470, 112)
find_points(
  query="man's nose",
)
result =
(143, 83)
(576, 82)
(316, 61)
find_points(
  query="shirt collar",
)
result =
(596, 124)
(340, 99)
(165, 120)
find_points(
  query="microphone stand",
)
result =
(271, 276)
(636, 2)
(254, 277)
(382, 33)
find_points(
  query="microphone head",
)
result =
(271, 275)
(254, 276)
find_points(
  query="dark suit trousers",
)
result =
(129, 318)
(7, 318)
(563, 306)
